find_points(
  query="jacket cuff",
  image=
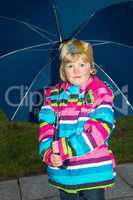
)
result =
(47, 156)
(64, 149)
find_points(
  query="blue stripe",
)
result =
(82, 179)
(80, 171)
(65, 133)
(66, 130)
(74, 126)
(54, 97)
(43, 146)
(71, 127)
(80, 125)
(105, 114)
(79, 144)
(47, 115)
(74, 89)
(64, 95)
(89, 176)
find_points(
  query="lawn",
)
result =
(19, 147)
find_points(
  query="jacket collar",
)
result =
(78, 89)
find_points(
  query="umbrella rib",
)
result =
(34, 29)
(102, 43)
(115, 86)
(121, 44)
(26, 24)
(57, 21)
(109, 41)
(31, 87)
(83, 25)
(27, 48)
(43, 49)
(41, 29)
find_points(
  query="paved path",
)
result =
(37, 187)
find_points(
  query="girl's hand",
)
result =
(55, 147)
(56, 160)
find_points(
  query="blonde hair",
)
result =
(73, 49)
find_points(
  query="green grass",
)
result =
(122, 140)
(19, 147)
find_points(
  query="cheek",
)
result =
(67, 73)
(86, 70)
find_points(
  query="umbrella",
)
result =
(31, 33)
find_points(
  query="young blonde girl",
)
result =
(76, 122)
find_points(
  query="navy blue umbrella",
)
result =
(30, 33)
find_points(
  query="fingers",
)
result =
(55, 147)
(56, 160)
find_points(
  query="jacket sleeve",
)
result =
(47, 117)
(97, 129)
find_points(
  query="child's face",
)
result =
(77, 72)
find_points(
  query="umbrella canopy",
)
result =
(31, 33)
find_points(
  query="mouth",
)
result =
(77, 77)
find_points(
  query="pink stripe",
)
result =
(99, 126)
(92, 140)
(89, 161)
(61, 150)
(47, 92)
(102, 91)
(99, 139)
(71, 117)
(61, 107)
(96, 153)
(68, 112)
(113, 160)
(97, 135)
(45, 128)
(105, 98)
(45, 135)
(77, 107)
(46, 159)
(102, 130)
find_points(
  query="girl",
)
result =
(76, 122)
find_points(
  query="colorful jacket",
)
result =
(85, 123)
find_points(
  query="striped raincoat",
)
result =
(85, 123)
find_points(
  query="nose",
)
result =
(76, 70)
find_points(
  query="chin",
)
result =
(76, 82)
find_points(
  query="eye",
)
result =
(68, 66)
(82, 65)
